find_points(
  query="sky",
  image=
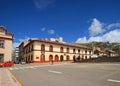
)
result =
(77, 21)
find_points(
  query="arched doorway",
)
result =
(56, 58)
(67, 58)
(50, 58)
(61, 58)
(74, 58)
(42, 58)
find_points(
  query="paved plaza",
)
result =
(68, 74)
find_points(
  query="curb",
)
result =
(14, 78)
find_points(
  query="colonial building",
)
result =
(6, 39)
(46, 50)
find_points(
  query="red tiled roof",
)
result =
(60, 43)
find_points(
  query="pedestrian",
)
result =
(51, 61)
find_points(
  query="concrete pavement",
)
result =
(7, 79)
(62, 74)
(68, 74)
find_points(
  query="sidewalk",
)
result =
(6, 78)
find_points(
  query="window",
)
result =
(42, 47)
(51, 48)
(28, 48)
(32, 48)
(89, 52)
(61, 49)
(31, 58)
(1, 43)
(25, 51)
(67, 50)
(73, 50)
(1, 57)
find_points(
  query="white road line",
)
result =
(11, 68)
(36, 66)
(54, 71)
(111, 80)
(26, 67)
(16, 68)
(21, 68)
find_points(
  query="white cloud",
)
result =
(42, 4)
(24, 39)
(43, 29)
(51, 31)
(81, 40)
(111, 32)
(96, 27)
(16, 44)
(112, 36)
(114, 25)
(98, 39)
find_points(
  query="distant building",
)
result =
(116, 48)
(16, 55)
(13, 55)
(104, 52)
(17, 52)
(46, 50)
(6, 39)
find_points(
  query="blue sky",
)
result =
(78, 21)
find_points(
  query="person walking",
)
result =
(51, 61)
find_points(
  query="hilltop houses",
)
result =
(104, 52)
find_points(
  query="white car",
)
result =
(23, 62)
(94, 56)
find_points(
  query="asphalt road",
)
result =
(68, 74)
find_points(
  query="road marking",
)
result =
(11, 68)
(54, 71)
(27, 67)
(32, 67)
(14, 78)
(111, 80)
(16, 68)
(21, 68)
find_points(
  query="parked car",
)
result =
(16, 61)
(94, 56)
(23, 62)
(7, 64)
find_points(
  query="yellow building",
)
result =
(5, 45)
(46, 50)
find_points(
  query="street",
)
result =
(67, 74)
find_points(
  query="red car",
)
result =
(7, 64)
